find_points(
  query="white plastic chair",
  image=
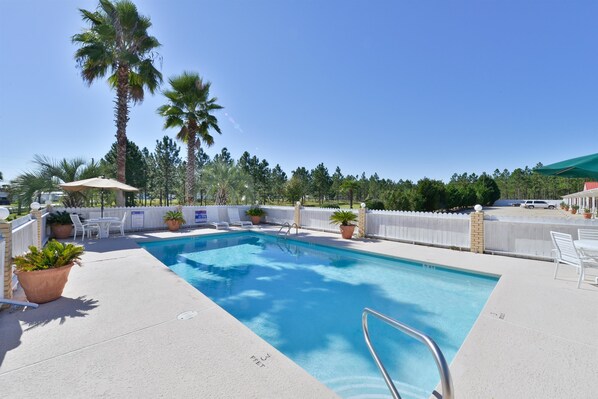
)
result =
(120, 225)
(212, 219)
(235, 220)
(567, 253)
(587, 234)
(79, 226)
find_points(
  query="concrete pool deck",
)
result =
(115, 332)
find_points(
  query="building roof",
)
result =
(590, 185)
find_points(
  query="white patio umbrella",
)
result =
(98, 182)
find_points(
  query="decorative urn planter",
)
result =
(43, 286)
(573, 211)
(62, 231)
(173, 225)
(255, 219)
(587, 215)
(347, 231)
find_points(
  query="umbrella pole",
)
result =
(102, 203)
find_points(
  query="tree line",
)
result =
(161, 175)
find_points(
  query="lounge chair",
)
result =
(565, 252)
(81, 227)
(213, 219)
(588, 234)
(235, 220)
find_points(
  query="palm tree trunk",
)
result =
(190, 183)
(122, 117)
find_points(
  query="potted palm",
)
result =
(44, 273)
(586, 213)
(563, 204)
(174, 220)
(61, 224)
(344, 219)
(574, 209)
(255, 213)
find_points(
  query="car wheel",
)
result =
(530, 207)
(550, 206)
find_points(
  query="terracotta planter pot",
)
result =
(61, 231)
(43, 286)
(255, 219)
(347, 231)
(587, 215)
(173, 225)
(573, 211)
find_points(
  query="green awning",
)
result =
(586, 167)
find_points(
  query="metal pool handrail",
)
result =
(445, 375)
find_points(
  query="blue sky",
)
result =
(406, 89)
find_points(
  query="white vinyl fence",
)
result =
(318, 219)
(528, 237)
(440, 229)
(24, 234)
(279, 214)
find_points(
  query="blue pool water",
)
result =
(307, 300)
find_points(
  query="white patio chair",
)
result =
(567, 253)
(587, 234)
(235, 220)
(81, 227)
(120, 225)
(213, 219)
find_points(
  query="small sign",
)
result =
(137, 219)
(260, 361)
(201, 216)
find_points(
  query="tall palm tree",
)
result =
(190, 109)
(117, 42)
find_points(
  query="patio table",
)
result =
(104, 224)
(588, 247)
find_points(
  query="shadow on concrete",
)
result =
(15, 321)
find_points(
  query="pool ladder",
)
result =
(289, 227)
(445, 376)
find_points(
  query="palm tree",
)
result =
(226, 182)
(190, 109)
(117, 42)
(349, 185)
(64, 171)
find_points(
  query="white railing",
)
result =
(44, 229)
(529, 237)
(318, 219)
(23, 236)
(441, 229)
(279, 214)
(2, 249)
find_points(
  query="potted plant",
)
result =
(61, 224)
(344, 219)
(574, 209)
(255, 213)
(566, 208)
(174, 220)
(44, 273)
(563, 204)
(586, 213)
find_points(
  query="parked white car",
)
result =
(531, 204)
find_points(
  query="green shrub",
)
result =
(255, 211)
(60, 217)
(375, 204)
(54, 254)
(331, 205)
(344, 218)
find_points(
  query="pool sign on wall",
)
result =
(137, 219)
(201, 216)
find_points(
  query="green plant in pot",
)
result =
(574, 209)
(255, 213)
(174, 220)
(563, 204)
(61, 224)
(345, 221)
(587, 214)
(44, 273)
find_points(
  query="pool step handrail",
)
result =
(289, 227)
(446, 381)
(12, 302)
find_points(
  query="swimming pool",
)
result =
(306, 300)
